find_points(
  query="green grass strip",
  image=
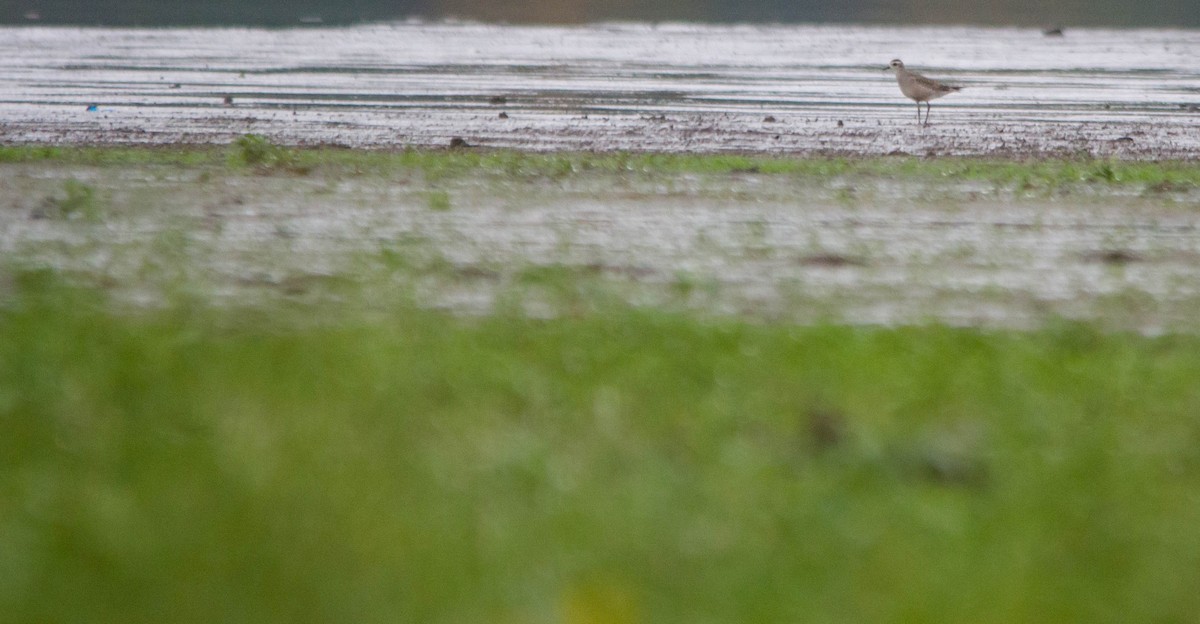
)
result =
(201, 465)
(256, 153)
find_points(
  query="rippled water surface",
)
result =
(672, 87)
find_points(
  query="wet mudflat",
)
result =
(858, 249)
(670, 87)
(880, 249)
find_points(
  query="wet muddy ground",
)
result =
(768, 247)
(670, 87)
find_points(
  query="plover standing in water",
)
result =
(918, 88)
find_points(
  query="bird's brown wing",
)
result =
(930, 83)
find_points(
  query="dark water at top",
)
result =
(1158, 13)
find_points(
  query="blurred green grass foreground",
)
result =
(200, 464)
(324, 460)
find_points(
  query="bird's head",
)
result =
(895, 65)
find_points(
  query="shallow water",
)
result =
(670, 87)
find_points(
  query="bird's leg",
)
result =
(918, 113)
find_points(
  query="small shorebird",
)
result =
(918, 88)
